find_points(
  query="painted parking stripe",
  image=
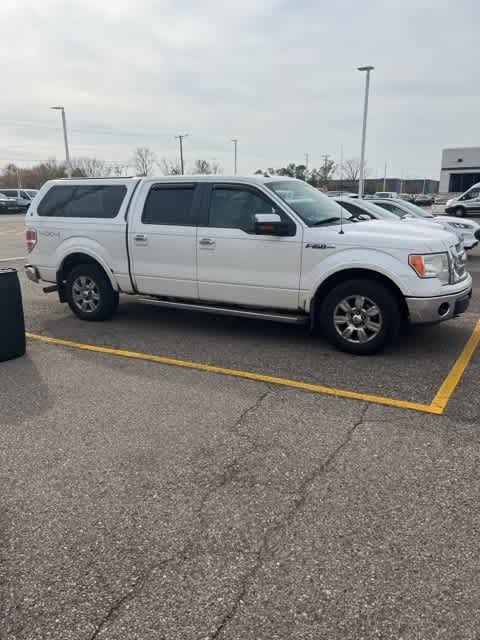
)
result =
(12, 259)
(455, 374)
(437, 406)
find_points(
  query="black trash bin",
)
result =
(12, 324)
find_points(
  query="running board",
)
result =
(229, 311)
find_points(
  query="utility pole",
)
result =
(19, 179)
(307, 157)
(68, 165)
(368, 69)
(235, 152)
(385, 177)
(180, 138)
(424, 185)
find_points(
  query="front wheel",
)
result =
(460, 212)
(360, 316)
(89, 293)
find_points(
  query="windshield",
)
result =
(313, 207)
(31, 192)
(418, 212)
(375, 210)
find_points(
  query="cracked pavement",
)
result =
(143, 502)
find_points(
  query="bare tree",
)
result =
(90, 167)
(202, 167)
(216, 167)
(351, 170)
(118, 170)
(144, 160)
(169, 168)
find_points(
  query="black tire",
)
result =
(376, 296)
(103, 299)
(460, 212)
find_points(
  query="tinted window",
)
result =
(10, 193)
(235, 208)
(89, 201)
(169, 205)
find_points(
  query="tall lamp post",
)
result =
(68, 165)
(367, 69)
(235, 156)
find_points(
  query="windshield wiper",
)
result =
(326, 221)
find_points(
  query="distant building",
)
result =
(460, 169)
(391, 184)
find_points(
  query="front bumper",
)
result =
(439, 308)
(32, 273)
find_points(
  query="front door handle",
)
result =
(140, 238)
(207, 242)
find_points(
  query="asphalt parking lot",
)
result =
(143, 500)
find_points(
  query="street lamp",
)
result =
(65, 137)
(364, 129)
(235, 147)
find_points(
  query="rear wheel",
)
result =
(460, 212)
(360, 316)
(89, 293)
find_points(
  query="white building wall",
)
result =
(458, 160)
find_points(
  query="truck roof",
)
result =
(253, 179)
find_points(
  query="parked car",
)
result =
(385, 194)
(466, 204)
(424, 199)
(341, 194)
(408, 197)
(240, 246)
(20, 197)
(465, 230)
(360, 210)
(7, 205)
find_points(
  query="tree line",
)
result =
(144, 162)
(349, 171)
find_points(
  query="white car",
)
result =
(254, 247)
(468, 231)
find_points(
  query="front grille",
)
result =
(458, 259)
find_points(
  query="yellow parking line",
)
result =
(437, 406)
(455, 374)
(239, 373)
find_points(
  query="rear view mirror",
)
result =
(270, 224)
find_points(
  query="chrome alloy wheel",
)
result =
(357, 319)
(86, 294)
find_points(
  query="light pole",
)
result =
(235, 152)
(180, 138)
(364, 129)
(68, 165)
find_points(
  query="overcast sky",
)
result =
(278, 75)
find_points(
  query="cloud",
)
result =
(279, 76)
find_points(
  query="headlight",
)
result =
(459, 225)
(431, 265)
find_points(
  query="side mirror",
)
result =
(270, 224)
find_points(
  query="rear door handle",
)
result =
(140, 238)
(207, 242)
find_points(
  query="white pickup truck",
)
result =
(256, 247)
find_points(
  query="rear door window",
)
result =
(88, 201)
(170, 205)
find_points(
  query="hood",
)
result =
(408, 234)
